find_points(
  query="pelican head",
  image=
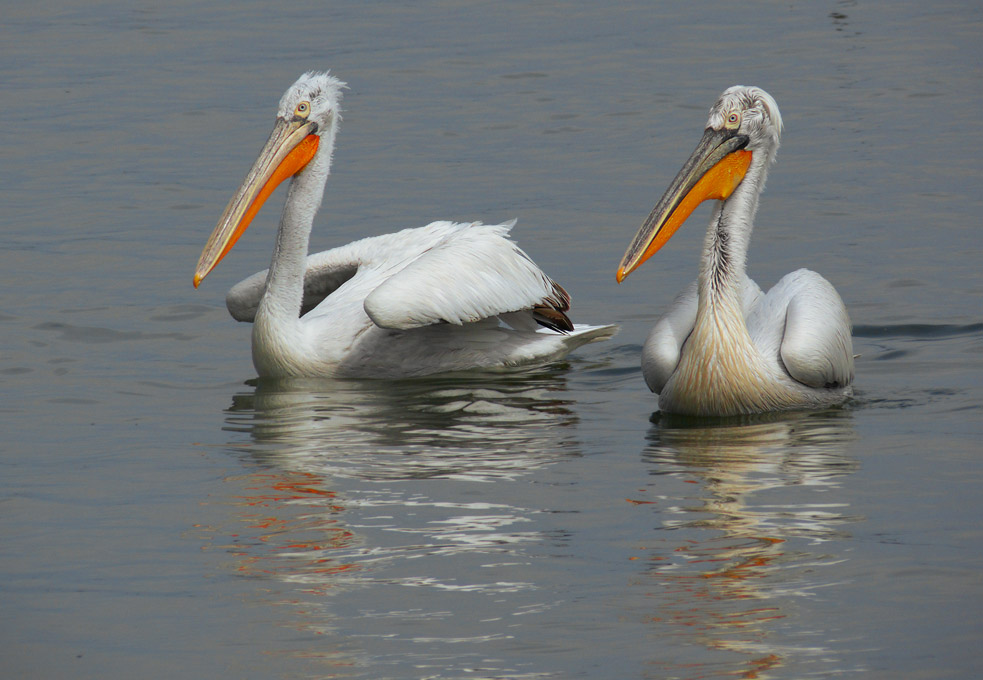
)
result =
(744, 127)
(308, 113)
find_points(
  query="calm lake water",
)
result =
(164, 515)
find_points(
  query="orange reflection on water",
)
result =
(295, 533)
(728, 567)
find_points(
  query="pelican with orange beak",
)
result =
(444, 297)
(723, 347)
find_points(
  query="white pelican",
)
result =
(723, 347)
(444, 297)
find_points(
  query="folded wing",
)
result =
(474, 272)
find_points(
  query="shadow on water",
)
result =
(366, 516)
(739, 552)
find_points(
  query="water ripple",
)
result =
(920, 331)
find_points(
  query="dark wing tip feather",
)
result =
(560, 299)
(553, 319)
(550, 311)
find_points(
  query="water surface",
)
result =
(164, 514)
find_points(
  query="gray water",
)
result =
(164, 515)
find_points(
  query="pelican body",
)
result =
(723, 347)
(444, 297)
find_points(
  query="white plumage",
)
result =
(444, 297)
(723, 347)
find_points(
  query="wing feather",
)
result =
(474, 273)
(662, 349)
(325, 273)
(817, 348)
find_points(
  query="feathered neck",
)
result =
(278, 316)
(724, 262)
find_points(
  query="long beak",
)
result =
(291, 146)
(714, 170)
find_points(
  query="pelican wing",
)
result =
(816, 347)
(474, 272)
(662, 349)
(325, 273)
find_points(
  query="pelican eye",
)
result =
(303, 110)
(733, 120)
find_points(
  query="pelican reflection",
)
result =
(753, 534)
(364, 511)
(477, 427)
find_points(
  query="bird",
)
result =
(441, 298)
(724, 348)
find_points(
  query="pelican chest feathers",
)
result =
(444, 297)
(723, 347)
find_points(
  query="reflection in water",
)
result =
(478, 428)
(734, 561)
(367, 518)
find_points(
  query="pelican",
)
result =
(723, 347)
(444, 297)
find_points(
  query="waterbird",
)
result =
(445, 297)
(723, 347)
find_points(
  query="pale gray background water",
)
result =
(162, 517)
